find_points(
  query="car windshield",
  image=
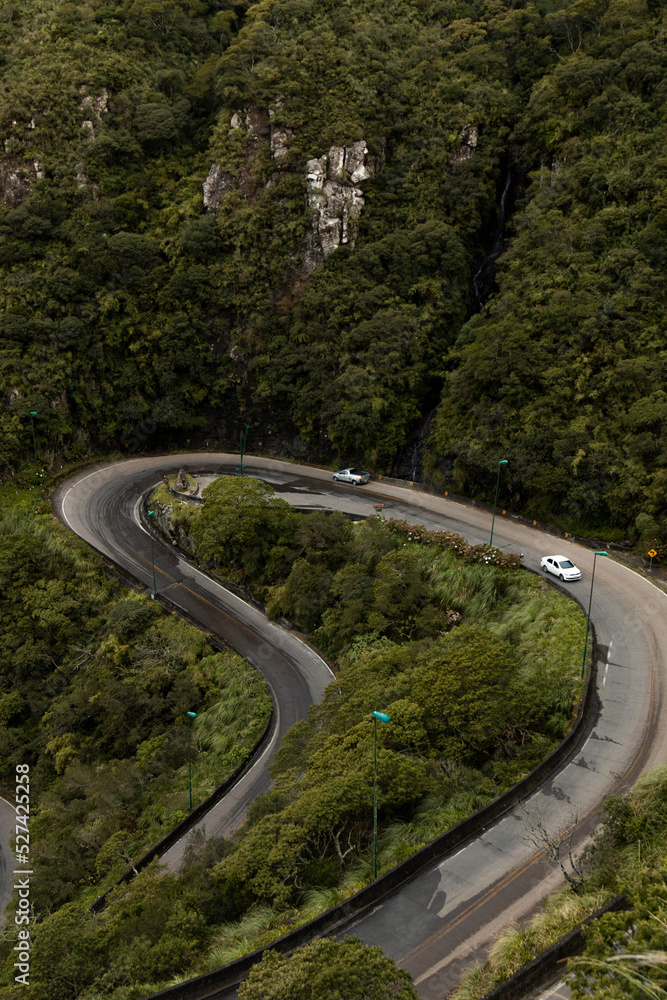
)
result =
(566, 564)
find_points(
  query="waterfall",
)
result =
(483, 281)
(408, 461)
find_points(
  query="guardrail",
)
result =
(211, 984)
(544, 969)
(505, 514)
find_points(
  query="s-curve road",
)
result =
(446, 917)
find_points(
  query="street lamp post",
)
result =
(503, 461)
(383, 718)
(154, 594)
(191, 716)
(244, 438)
(588, 619)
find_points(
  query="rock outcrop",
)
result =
(279, 136)
(334, 194)
(16, 180)
(92, 108)
(216, 187)
(468, 137)
(251, 120)
(335, 198)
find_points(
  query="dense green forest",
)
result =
(216, 213)
(134, 317)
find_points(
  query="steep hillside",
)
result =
(278, 214)
(564, 371)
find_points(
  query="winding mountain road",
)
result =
(442, 919)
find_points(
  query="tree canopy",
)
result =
(134, 317)
(240, 521)
(326, 970)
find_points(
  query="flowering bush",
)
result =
(487, 554)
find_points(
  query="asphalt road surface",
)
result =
(447, 917)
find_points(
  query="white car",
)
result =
(561, 566)
(354, 476)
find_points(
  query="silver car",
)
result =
(561, 566)
(354, 476)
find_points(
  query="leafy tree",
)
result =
(304, 595)
(327, 970)
(238, 521)
(155, 124)
(465, 690)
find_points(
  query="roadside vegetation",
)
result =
(328, 970)
(626, 953)
(132, 318)
(94, 689)
(474, 661)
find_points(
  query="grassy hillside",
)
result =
(133, 318)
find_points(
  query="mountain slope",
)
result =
(219, 213)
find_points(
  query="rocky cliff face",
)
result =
(334, 192)
(468, 137)
(16, 180)
(335, 198)
(18, 170)
(216, 187)
(92, 109)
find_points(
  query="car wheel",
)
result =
(544, 568)
(561, 577)
(354, 482)
(335, 479)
